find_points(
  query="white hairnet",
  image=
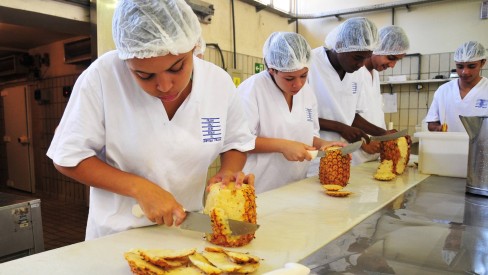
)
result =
(469, 52)
(354, 34)
(143, 29)
(286, 52)
(393, 41)
(200, 47)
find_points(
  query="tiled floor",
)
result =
(63, 222)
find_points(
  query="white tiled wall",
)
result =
(413, 104)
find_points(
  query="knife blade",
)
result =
(201, 222)
(344, 150)
(396, 135)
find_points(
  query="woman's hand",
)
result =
(159, 205)
(224, 177)
(296, 151)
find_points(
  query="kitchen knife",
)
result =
(396, 135)
(200, 222)
(344, 150)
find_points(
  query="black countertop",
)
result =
(433, 228)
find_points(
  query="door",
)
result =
(18, 138)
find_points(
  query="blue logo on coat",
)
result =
(211, 129)
(354, 87)
(481, 103)
(309, 114)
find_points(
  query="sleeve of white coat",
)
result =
(433, 113)
(237, 134)
(80, 133)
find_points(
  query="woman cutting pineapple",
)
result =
(466, 96)
(282, 113)
(144, 122)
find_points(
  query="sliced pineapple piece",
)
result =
(201, 262)
(139, 266)
(221, 261)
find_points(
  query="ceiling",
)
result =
(24, 30)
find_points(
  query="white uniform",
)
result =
(269, 116)
(373, 111)
(337, 99)
(448, 105)
(110, 116)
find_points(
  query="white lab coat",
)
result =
(447, 104)
(373, 111)
(337, 99)
(269, 116)
(110, 116)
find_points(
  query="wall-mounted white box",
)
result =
(443, 153)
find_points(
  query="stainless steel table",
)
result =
(433, 228)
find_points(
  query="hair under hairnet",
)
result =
(393, 41)
(469, 52)
(143, 29)
(200, 47)
(354, 34)
(286, 52)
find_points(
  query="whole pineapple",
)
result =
(230, 202)
(334, 167)
(394, 156)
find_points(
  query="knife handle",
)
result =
(137, 211)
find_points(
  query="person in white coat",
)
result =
(282, 112)
(337, 86)
(392, 47)
(144, 122)
(467, 96)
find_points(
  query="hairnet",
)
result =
(469, 52)
(393, 41)
(200, 46)
(354, 34)
(286, 52)
(143, 29)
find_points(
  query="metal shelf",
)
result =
(415, 81)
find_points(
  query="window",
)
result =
(286, 6)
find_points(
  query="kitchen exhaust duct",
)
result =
(78, 51)
(17, 64)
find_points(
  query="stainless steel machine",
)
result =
(21, 227)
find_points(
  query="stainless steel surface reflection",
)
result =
(433, 228)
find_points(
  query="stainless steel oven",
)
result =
(21, 227)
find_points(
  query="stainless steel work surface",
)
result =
(433, 228)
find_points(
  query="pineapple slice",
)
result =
(338, 193)
(139, 266)
(201, 262)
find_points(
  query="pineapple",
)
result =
(334, 167)
(385, 171)
(230, 202)
(394, 156)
